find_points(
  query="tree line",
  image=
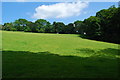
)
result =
(104, 26)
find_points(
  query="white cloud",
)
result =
(60, 10)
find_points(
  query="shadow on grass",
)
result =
(24, 64)
(109, 52)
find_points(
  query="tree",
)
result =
(41, 24)
(8, 27)
(30, 27)
(48, 28)
(110, 23)
(93, 28)
(20, 24)
(1, 26)
(54, 27)
(58, 27)
(78, 26)
(115, 26)
(70, 28)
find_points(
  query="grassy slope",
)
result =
(57, 55)
(0, 54)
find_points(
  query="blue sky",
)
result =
(33, 11)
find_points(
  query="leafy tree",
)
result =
(70, 28)
(78, 26)
(20, 24)
(48, 28)
(59, 27)
(30, 27)
(8, 26)
(92, 29)
(0, 26)
(55, 27)
(41, 24)
(109, 21)
(115, 26)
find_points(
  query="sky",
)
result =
(66, 12)
(57, 0)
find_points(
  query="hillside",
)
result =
(36, 55)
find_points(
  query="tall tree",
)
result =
(93, 29)
(58, 27)
(110, 23)
(70, 28)
(78, 26)
(8, 27)
(20, 24)
(41, 24)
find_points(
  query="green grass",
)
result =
(42, 55)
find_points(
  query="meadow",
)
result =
(44, 55)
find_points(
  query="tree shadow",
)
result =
(25, 64)
(98, 38)
(109, 52)
(86, 50)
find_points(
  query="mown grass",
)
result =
(39, 55)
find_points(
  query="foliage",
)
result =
(70, 28)
(0, 27)
(59, 27)
(92, 28)
(104, 26)
(20, 24)
(110, 24)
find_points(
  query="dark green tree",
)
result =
(110, 23)
(9, 27)
(20, 24)
(41, 24)
(92, 28)
(58, 27)
(78, 26)
(70, 28)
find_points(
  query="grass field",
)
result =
(42, 55)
